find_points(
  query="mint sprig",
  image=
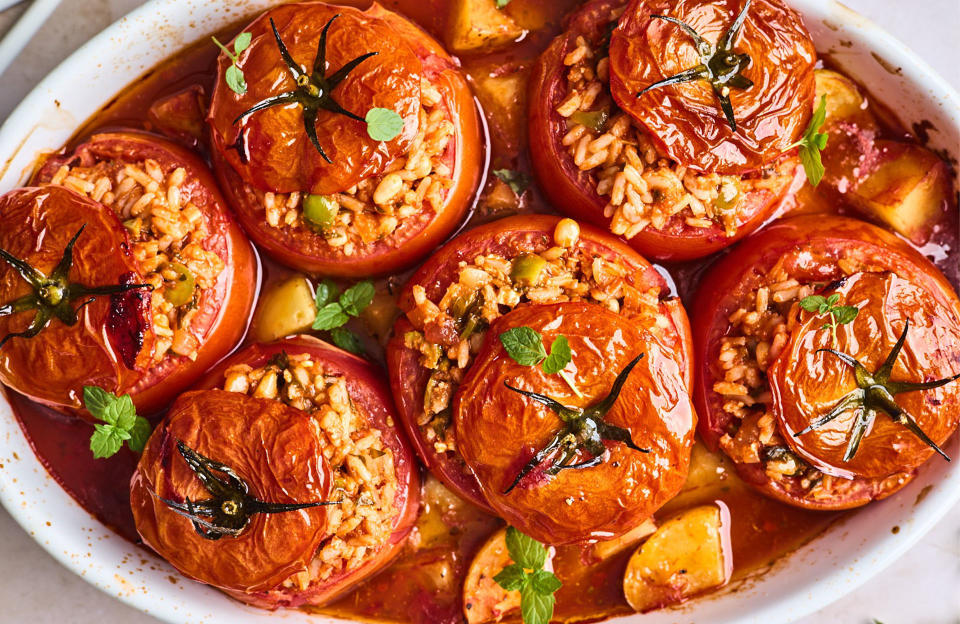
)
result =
(527, 575)
(335, 309)
(121, 423)
(839, 314)
(234, 75)
(383, 124)
(812, 143)
(525, 346)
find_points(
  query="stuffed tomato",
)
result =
(374, 480)
(680, 168)
(450, 302)
(311, 178)
(827, 353)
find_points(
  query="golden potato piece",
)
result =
(287, 308)
(484, 600)
(845, 102)
(476, 25)
(686, 556)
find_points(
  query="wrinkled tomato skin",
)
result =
(573, 192)
(506, 236)
(418, 235)
(499, 431)
(732, 276)
(52, 367)
(277, 450)
(366, 388)
(224, 309)
(686, 119)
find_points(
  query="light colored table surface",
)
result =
(921, 588)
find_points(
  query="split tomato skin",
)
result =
(223, 311)
(277, 450)
(509, 237)
(306, 250)
(825, 240)
(368, 390)
(573, 192)
(686, 119)
(498, 430)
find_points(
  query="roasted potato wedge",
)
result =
(284, 310)
(688, 555)
(478, 25)
(845, 102)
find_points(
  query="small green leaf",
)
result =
(234, 79)
(122, 422)
(327, 291)
(559, 356)
(242, 42)
(139, 434)
(524, 550)
(96, 400)
(545, 582)
(383, 124)
(524, 345)
(812, 303)
(346, 340)
(105, 441)
(536, 608)
(357, 297)
(833, 299)
(502, 3)
(845, 314)
(812, 143)
(813, 165)
(330, 316)
(518, 181)
(123, 412)
(511, 578)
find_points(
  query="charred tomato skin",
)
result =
(508, 236)
(498, 430)
(306, 250)
(275, 449)
(224, 309)
(52, 367)
(574, 193)
(368, 389)
(739, 272)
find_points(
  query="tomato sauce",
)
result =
(424, 584)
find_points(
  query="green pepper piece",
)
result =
(727, 200)
(181, 292)
(320, 210)
(461, 305)
(526, 269)
(595, 120)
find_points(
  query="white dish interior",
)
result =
(834, 564)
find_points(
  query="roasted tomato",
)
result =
(374, 473)
(601, 163)
(77, 342)
(227, 490)
(612, 446)
(306, 179)
(762, 379)
(450, 301)
(202, 268)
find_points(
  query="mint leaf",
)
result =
(536, 608)
(812, 303)
(559, 356)
(326, 292)
(234, 79)
(524, 345)
(346, 340)
(139, 434)
(357, 298)
(545, 581)
(96, 400)
(242, 42)
(330, 316)
(812, 143)
(518, 181)
(511, 578)
(845, 314)
(125, 414)
(121, 422)
(524, 550)
(383, 124)
(833, 299)
(105, 441)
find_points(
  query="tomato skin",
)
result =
(367, 388)
(508, 236)
(737, 273)
(305, 250)
(277, 450)
(224, 309)
(52, 367)
(573, 192)
(498, 430)
(687, 119)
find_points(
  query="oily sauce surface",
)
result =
(424, 584)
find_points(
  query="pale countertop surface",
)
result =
(921, 588)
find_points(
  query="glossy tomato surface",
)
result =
(51, 368)
(811, 248)
(278, 156)
(508, 237)
(370, 393)
(499, 430)
(686, 118)
(275, 449)
(574, 192)
(223, 310)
